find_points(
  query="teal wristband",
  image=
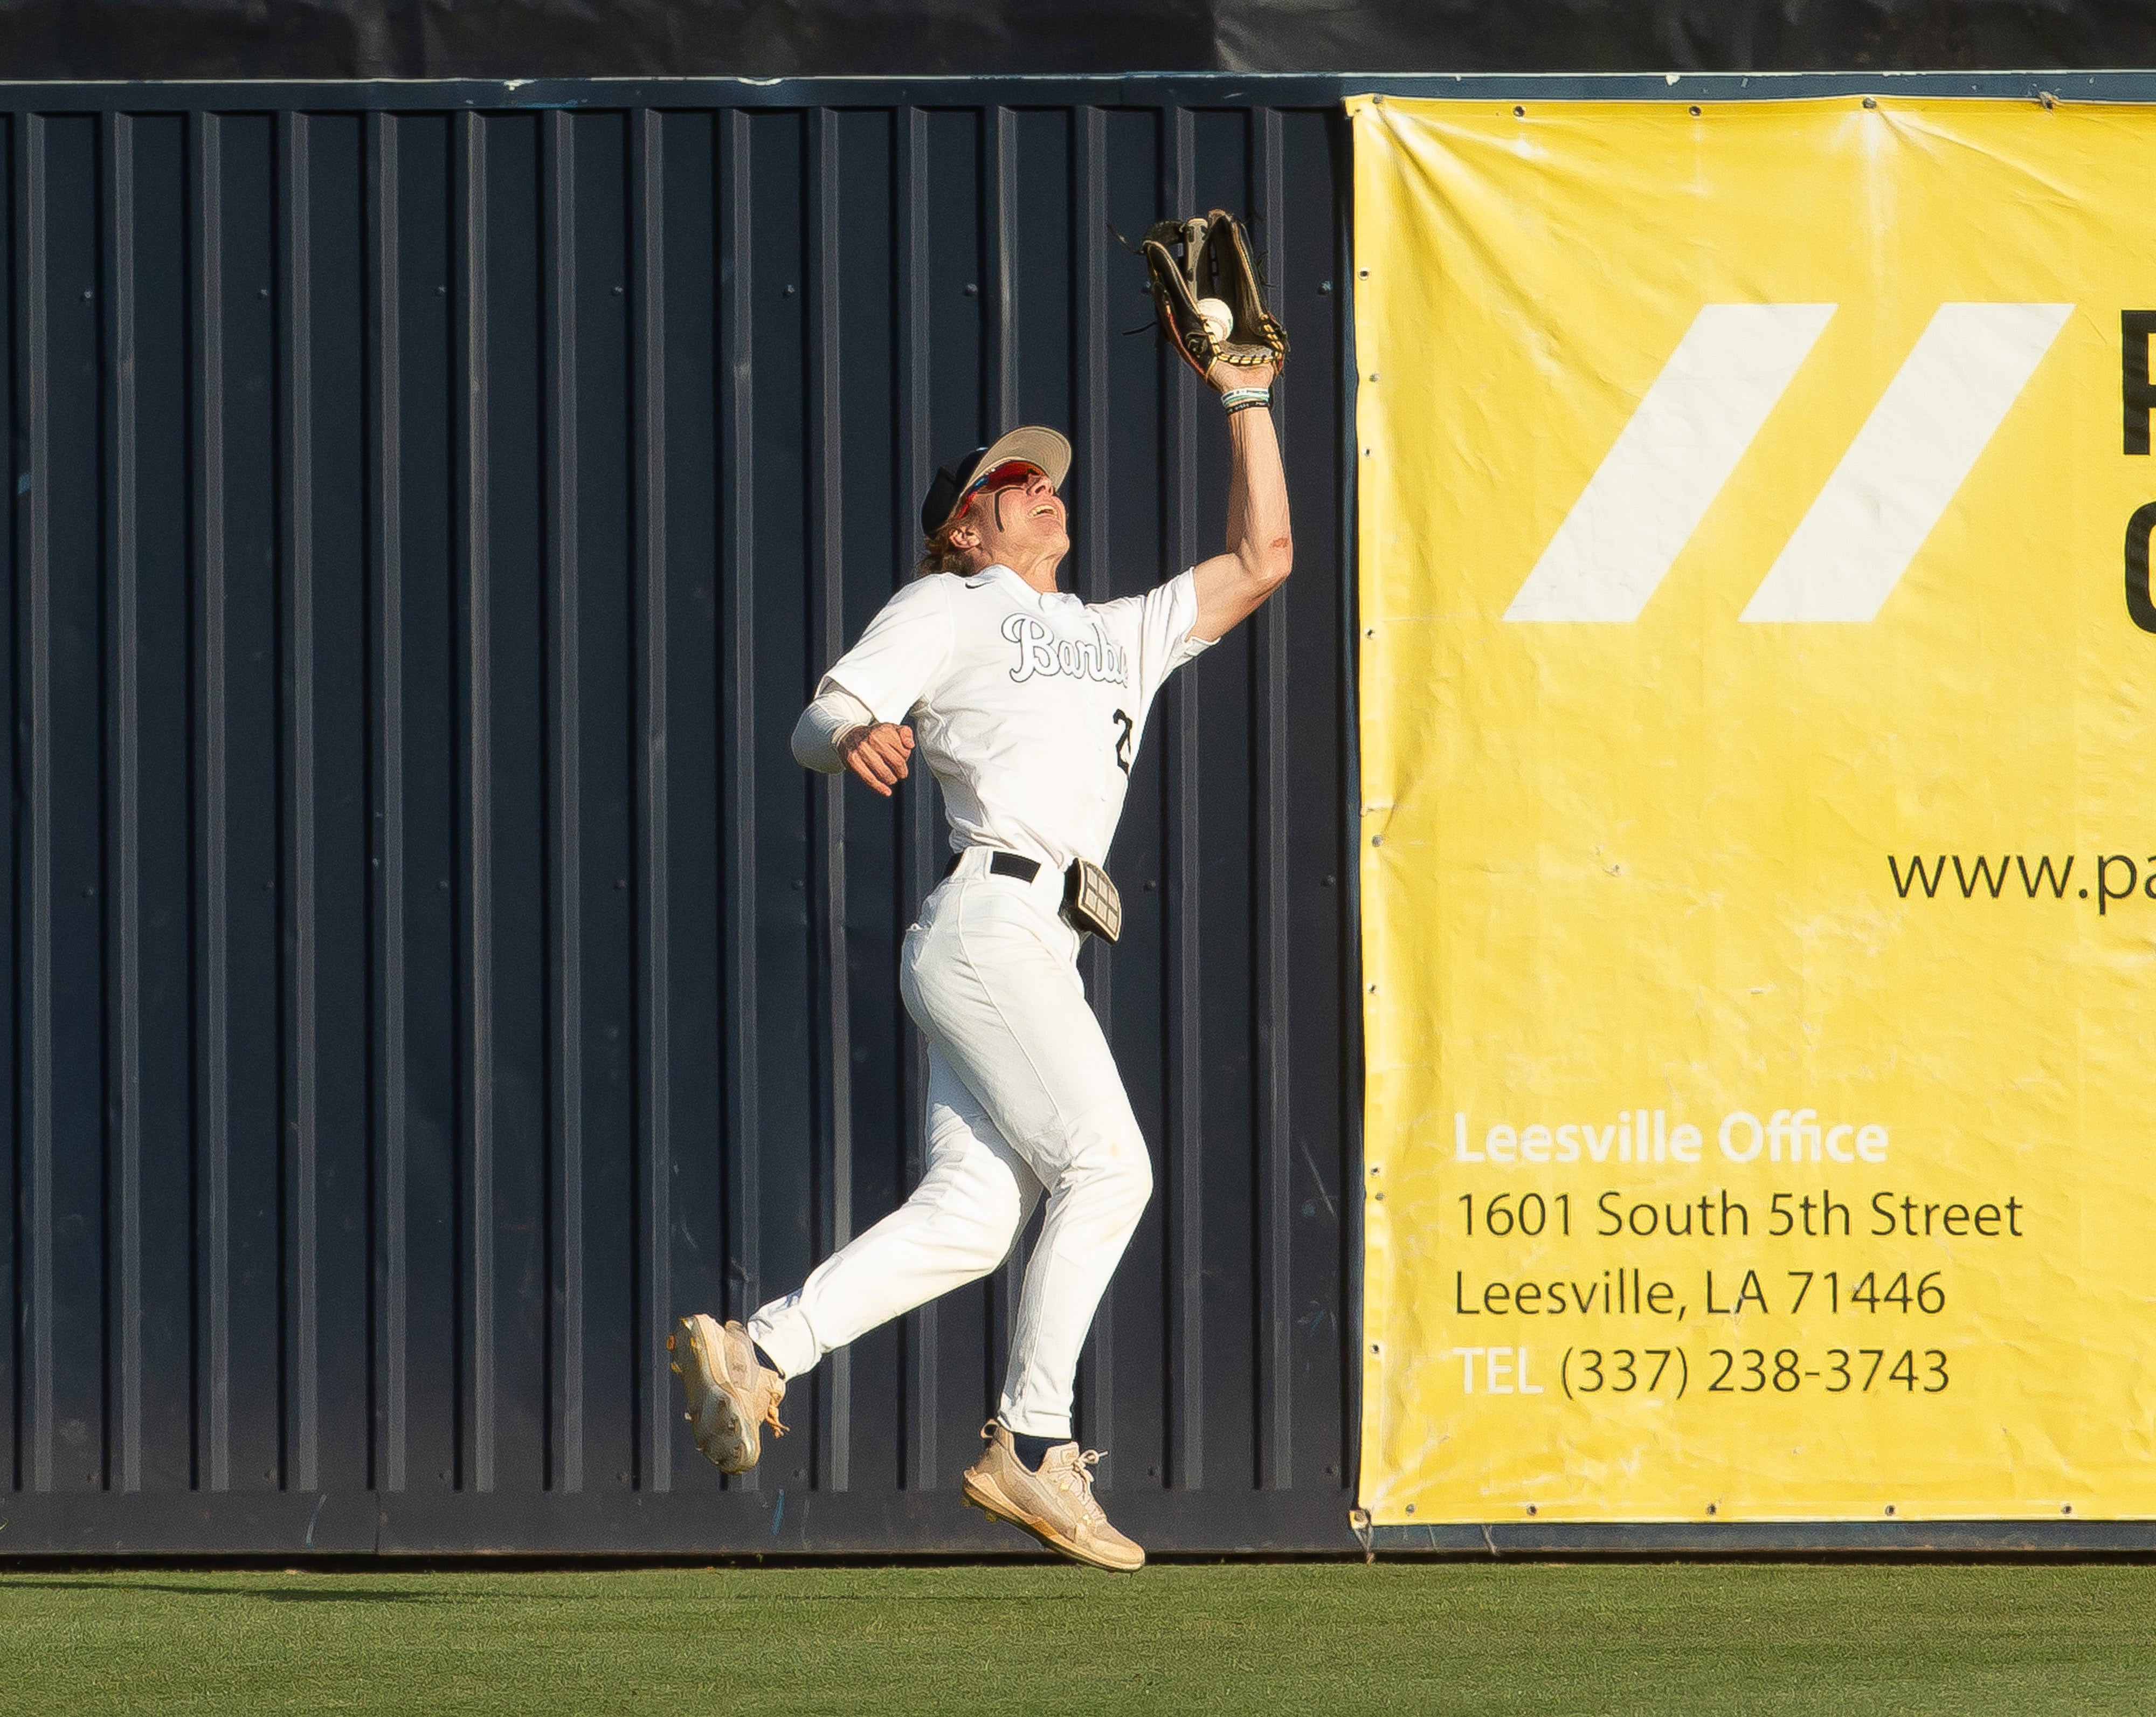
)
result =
(1237, 399)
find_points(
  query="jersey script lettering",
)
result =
(1040, 651)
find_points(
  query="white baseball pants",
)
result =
(1023, 1097)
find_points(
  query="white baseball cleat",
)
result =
(731, 1395)
(1055, 1504)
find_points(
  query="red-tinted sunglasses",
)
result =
(1011, 473)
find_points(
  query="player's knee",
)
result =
(975, 1232)
(978, 1248)
(1130, 1178)
(1109, 1156)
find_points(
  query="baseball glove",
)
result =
(1212, 274)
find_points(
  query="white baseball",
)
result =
(1219, 320)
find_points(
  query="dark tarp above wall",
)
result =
(98, 39)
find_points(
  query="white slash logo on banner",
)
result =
(1859, 536)
(1646, 498)
(1942, 407)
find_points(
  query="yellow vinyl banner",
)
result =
(1758, 851)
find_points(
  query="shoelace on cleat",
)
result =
(773, 1395)
(1079, 1468)
(771, 1388)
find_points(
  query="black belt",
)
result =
(1003, 863)
(1091, 904)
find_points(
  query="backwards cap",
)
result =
(1045, 448)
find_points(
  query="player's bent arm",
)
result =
(838, 731)
(835, 714)
(1260, 545)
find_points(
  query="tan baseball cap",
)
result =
(1035, 445)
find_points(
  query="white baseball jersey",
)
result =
(1027, 707)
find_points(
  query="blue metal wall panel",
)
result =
(431, 505)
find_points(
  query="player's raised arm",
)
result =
(1260, 546)
(1230, 338)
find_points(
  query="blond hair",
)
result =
(939, 554)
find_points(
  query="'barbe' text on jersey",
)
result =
(1040, 651)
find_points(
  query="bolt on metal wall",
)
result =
(431, 973)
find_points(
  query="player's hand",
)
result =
(1221, 375)
(878, 755)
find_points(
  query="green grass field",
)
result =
(865, 1642)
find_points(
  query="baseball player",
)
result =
(1029, 706)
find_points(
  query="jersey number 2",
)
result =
(1123, 742)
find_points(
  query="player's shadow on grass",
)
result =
(301, 1596)
(377, 1595)
(923, 1597)
(276, 1594)
(349, 1595)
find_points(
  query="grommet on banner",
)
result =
(1868, 102)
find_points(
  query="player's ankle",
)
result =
(1032, 1451)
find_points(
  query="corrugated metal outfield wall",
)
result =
(428, 973)
(431, 506)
